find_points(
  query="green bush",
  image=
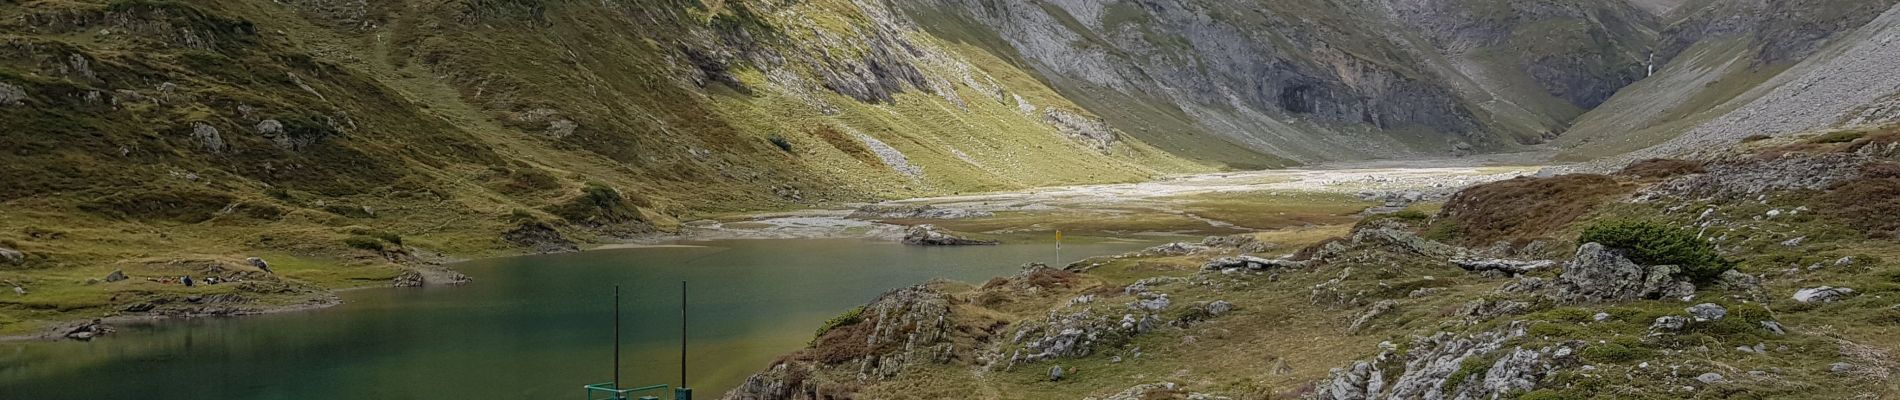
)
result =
(1616, 352)
(1651, 243)
(781, 142)
(849, 318)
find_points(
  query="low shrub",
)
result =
(850, 317)
(1652, 243)
(780, 142)
(1619, 351)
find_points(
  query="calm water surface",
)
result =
(533, 327)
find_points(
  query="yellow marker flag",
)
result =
(1058, 238)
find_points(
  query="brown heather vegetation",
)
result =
(1658, 168)
(1870, 204)
(1523, 207)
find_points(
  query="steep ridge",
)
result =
(1719, 56)
(1325, 80)
(346, 141)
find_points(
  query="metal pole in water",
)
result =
(617, 337)
(684, 392)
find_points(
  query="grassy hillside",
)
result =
(345, 142)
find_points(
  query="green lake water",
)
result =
(535, 327)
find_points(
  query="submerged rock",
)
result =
(928, 235)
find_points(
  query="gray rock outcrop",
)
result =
(1601, 274)
(1424, 370)
(928, 235)
(1823, 294)
(1707, 312)
(1251, 263)
(11, 95)
(11, 256)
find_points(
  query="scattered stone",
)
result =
(1055, 373)
(88, 331)
(115, 276)
(1707, 312)
(1513, 267)
(11, 256)
(407, 279)
(1155, 303)
(11, 95)
(1250, 263)
(1774, 327)
(1600, 317)
(928, 235)
(1710, 378)
(207, 136)
(1378, 309)
(1175, 249)
(1794, 242)
(1736, 280)
(140, 307)
(19, 290)
(259, 264)
(1841, 368)
(1219, 307)
(1670, 323)
(1824, 294)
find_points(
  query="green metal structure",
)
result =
(613, 390)
(610, 391)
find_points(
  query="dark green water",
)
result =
(534, 327)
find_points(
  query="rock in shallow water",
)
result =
(928, 235)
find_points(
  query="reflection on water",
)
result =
(529, 328)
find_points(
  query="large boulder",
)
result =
(928, 235)
(115, 276)
(1601, 274)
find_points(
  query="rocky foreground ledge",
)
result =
(1739, 277)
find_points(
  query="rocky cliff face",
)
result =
(1326, 80)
